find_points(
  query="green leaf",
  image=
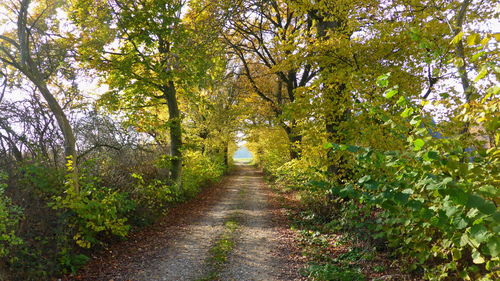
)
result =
(481, 74)
(389, 93)
(431, 155)
(457, 254)
(479, 233)
(460, 223)
(352, 148)
(481, 204)
(464, 240)
(489, 265)
(477, 56)
(457, 195)
(450, 210)
(401, 198)
(493, 246)
(407, 112)
(401, 101)
(476, 257)
(418, 144)
(383, 80)
(490, 190)
(364, 179)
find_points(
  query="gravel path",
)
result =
(185, 256)
(256, 255)
(258, 252)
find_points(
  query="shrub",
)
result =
(329, 272)
(94, 210)
(199, 170)
(435, 200)
(151, 197)
(9, 219)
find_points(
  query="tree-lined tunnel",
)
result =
(298, 125)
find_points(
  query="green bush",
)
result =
(330, 272)
(151, 197)
(435, 201)
(199, 170)
(94, 210)
(9, 219)
(41, 179)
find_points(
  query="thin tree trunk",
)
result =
(226, 155)
(62, 121)
(460, 53)
(169, 93)
(67, 131)
(460, 50)
(292, 135)
(31, 70)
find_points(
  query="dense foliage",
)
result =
(382, 115)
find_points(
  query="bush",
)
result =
(151, 197)
(298, 172)
(94, 210)
(435, 201)
(329, 272)
(9, 219)
(200, 170)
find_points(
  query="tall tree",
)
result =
(37, 48)
(147, 53)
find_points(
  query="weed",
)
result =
(330, 272)
(219, 253)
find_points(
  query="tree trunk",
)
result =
(294, 140)
(67, 131)
(62, 121)
(290, 130)
(335, 115)
(29, 68)
(334, 118)
(169, 93)
(226, 155)
(462, 68)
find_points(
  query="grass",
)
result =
(219, 253)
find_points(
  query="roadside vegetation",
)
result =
(381, 116)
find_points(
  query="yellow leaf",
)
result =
(481, 74)
(457, 38)
(497, 36)
(459, 62)
(473, 39)
(485, 41)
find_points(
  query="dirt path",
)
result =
(185, 251)
(256, 255)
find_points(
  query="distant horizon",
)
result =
(242, 153)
